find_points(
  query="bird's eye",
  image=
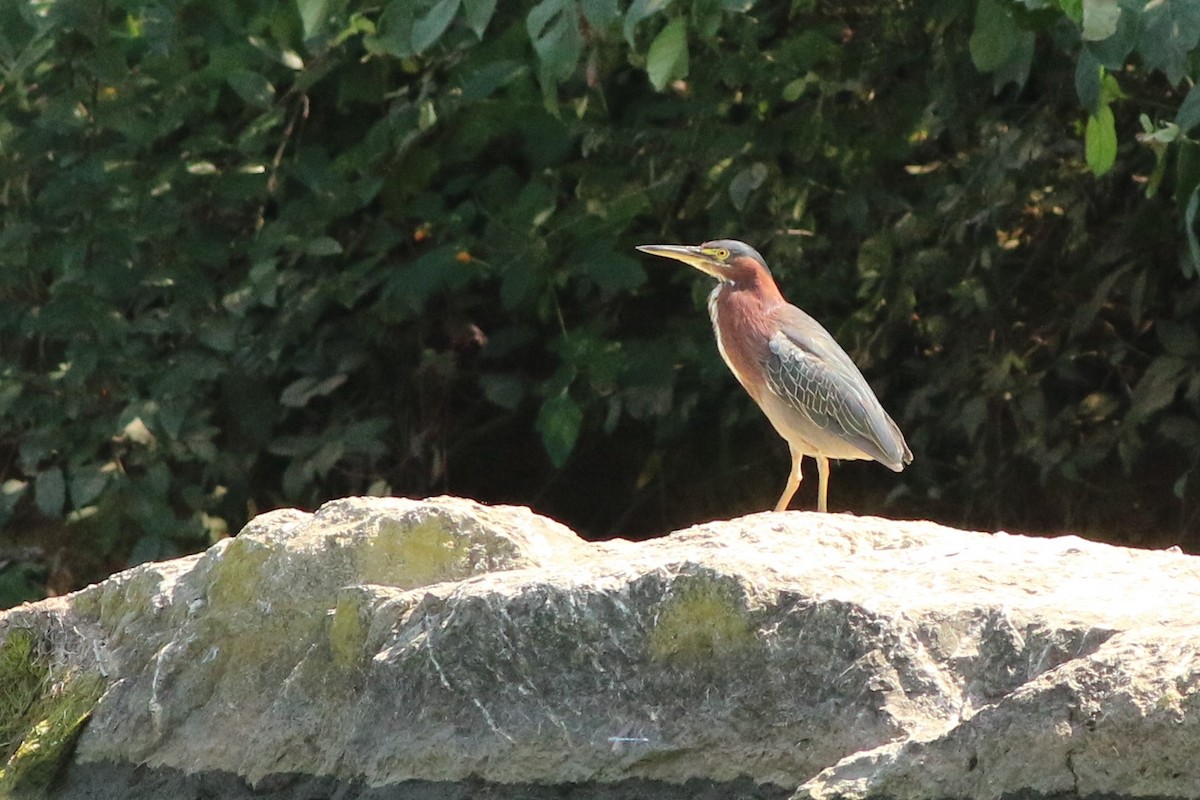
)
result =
(722, 254)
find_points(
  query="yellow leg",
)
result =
(823, 474)
(793, 483)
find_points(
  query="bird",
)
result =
(801, 378)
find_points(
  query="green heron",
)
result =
(803, 381)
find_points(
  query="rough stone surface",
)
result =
(440, 649)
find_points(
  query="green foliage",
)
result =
(667, 58)
(267, 254)
(1102, 36)
(21, 581)
(559, 422)
(1100, 141)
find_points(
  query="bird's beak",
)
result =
(692, 256)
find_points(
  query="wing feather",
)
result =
(813, 375)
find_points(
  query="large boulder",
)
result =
(402, 648)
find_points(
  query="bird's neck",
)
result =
(741, 318)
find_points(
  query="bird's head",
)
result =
(724, 259)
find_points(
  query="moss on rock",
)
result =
(22, 678)
(41, 715)
(702, 618)
(414, 555)
(236, 578)
(348, 630)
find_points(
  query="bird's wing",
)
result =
(809, 370)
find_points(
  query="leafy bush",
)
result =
(267, 254)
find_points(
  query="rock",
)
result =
(441, 648)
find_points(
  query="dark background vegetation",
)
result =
(262, 254)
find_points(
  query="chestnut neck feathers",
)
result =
(740, 308)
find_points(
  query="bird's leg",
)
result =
(793, 481)
(823, 474)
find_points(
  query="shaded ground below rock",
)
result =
(110, 781)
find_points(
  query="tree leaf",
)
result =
(1072, 8)
(1157, 387)
(429, 28)
(1171, 31)
(615, 273)
(667, 59)
(795, 89)
(139, 433)
(366, 436)
(256, 90)
(706, 17)
(559, 422)
(411, 285)
(1110, 90)
(1100, 18)
(601, 14)
(11, 491)
(745, 182)
(312, 16)
(86, 484)
(1015, 68)
(502, 389)
(1188, 115)
(479, 14)
(299, 392)
(1187, 169)
(520, 282)
(294, 445)
(638, 11)
(322, 246)
(1100, 141)
(394, 36)
(327, 455)
(540, 17)
(1087, 312)
(1178, 339)
(1189, 225)
(1113, 51)
(998, 45)
(553, 27)
(1087, 81)
(994, 37)
(481, 83)
(151, 548)
(10, 392)
(50, 491)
